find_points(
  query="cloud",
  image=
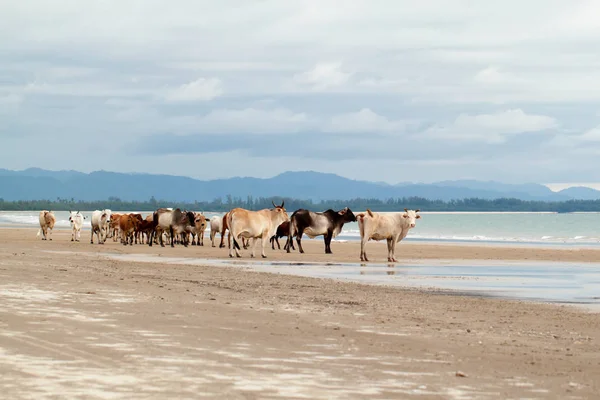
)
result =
(364, 121)
(201, 89)
(248, 120)
(494, 76)
(323, 76)
(492, 128)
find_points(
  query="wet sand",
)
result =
(84, 325)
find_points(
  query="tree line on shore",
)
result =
(358, 204)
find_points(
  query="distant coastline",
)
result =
(358, 204)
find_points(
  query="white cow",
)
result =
(253, 224)
(215, 227)
(47, 221)
(100, 225)
(76, 219)
(392, 227)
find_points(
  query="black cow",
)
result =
(328, 223)
(282, 230)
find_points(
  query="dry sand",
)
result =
(84, 326)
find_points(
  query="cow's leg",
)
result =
(201, 239)
(212, 237)
(363, 245)
(277, 241)
(394, 243)
(172, 233)
(254, 240)
(223, 239)
(49, 233)
(327, 238)
(299, 241)
(263, 243)
(389, 246)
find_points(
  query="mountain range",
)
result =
(37, 184)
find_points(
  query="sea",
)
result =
(535, 228)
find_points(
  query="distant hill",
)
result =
(34, 184)
(581, 193)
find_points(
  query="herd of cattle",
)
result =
(175, 226)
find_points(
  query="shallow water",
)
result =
(552, 282)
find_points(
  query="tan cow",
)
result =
(225, 228)
(253, 224)
(392, 227)
(47, 221)
(200, 223)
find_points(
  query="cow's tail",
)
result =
(39, 232)
(235, 243)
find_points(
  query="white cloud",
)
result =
(492, 128)
(364, 121)
(592, 135)
(323, 76)
(201, 89)
(495, 76)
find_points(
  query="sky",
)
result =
(392, 91)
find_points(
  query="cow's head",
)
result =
(411, 217)
(200, 222)
(280, 212)
(347, 215)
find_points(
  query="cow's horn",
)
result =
(417, 210)
(282, 203)
(272, 202)
(406, 210)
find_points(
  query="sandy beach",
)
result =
(76, 324)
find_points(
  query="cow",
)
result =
(254, 224)
(392, 227)
(283, 230)
(100, 225)
(215, 227)
(128, 224)
(114, 226)
(198, 229)
(224, 228)
(146, 227)
(47, 221)
(173, 221)
(76, 220)
(328, 223)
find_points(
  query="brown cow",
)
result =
(145, 227)
(114, 226)
(127, 225)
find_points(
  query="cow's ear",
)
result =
(418, 216)
(343, 212)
